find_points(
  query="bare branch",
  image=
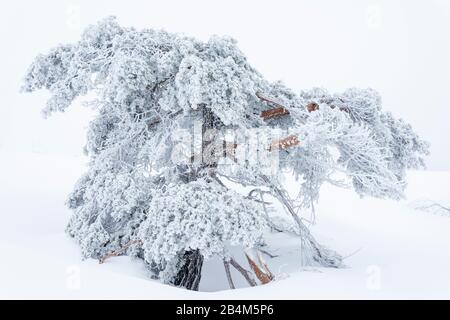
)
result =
(227, 271)
(245, 273)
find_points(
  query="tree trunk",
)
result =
(190, 265)
(190, 271)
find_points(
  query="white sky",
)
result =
(400, 48)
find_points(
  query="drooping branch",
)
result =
(320, 255)
(266, 213)
(119, 252)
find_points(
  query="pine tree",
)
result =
(179, 120)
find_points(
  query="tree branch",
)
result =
(119, 252)
(245, 273)
(270, 100)
(227, 271)
(279, 111)
(261, 275)
(263, 263)
(267, 253)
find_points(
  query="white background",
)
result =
(400, 48)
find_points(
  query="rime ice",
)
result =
(149, 85)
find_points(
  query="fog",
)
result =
(400, 48)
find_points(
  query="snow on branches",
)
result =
(177, 117)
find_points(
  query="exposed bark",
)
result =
(190, 265)
(263, 263)
(274, 113)
(261, 275)
(279, 111)
(190, 272)
(247, 274)
(312, 107)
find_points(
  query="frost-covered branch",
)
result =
(174, 114)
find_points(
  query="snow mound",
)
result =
(392, 250)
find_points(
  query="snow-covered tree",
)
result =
(156, 192)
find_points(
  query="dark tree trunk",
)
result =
(190, 271)
(191, 263)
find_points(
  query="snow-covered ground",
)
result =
(391, 249)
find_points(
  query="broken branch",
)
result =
(279, 111)
(274, 113)
(261, 275)
(263, 263)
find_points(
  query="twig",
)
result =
(322, 256)
(119, 252)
